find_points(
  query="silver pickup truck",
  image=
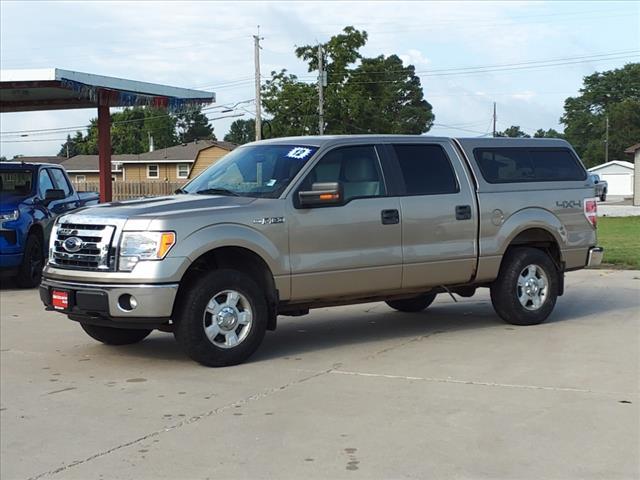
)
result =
(281, 226)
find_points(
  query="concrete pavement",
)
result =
(350, 392)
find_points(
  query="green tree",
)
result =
(363, 95)
(551, 133)
(73, 146)
(241, 132)
(130, 132)
(194, 125)
(513, 131)
(613, 94)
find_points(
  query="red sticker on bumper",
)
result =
(60, 300)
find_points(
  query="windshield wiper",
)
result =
(217, 191)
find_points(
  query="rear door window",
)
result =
(515, 165)
(426, 169)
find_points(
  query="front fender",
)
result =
(220, 235)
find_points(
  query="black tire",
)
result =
(505, 290)
(30, 271)
(191, 318)
(603, 197)
(415, 304)
(115, 336)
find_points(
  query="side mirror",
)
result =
(321, 195)
(53, 194)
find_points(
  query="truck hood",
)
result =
(164, 206)
(10, 202)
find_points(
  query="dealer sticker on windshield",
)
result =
(299, 153)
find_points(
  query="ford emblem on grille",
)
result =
(73, 244)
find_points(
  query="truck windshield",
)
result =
(252, 171)
(16, 182)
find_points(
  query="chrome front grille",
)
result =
(82, 246)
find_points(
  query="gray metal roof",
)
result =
(55, 88)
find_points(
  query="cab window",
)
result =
(60, 180)
(356, 168)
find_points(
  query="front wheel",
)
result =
(115, 336)
(603, 197)
(526, 289)
(415, 304)
(222, 318)
(30, 271)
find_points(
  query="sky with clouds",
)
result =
(209, 45)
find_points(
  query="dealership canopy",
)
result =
(56, 89)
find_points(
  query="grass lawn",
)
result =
(620, 238)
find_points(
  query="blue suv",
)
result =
(31, 196)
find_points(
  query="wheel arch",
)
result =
(237, 258)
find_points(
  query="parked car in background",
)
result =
(32, 195)
(285, 225)
(601, 186)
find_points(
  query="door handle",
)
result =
(463, 212)
(390, 217)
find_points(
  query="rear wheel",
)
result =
(222, 318)
(115, 336)
(526, 289)
(30, 271)
(415, 304)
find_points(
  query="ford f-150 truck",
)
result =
(31, 196)
(281, 226)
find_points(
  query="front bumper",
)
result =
(103, 301)
(594, 258)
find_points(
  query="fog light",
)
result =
(127, 302)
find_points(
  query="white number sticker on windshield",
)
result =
(299, 153)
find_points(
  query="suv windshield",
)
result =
(16, 182)
(252, 171)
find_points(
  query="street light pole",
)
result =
(606, 139)
(256, 46)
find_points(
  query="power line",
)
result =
(45, 131)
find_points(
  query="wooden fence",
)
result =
(128, 190)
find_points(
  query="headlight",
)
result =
(140, 246)
(9, 216)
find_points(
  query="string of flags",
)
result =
(123, 98)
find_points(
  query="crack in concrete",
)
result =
(402, 344)
(484, 384)
(189, 421)
(61, 390)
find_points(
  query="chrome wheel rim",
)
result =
(533, 287)
(227, 319)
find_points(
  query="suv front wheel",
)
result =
(526, 289)
(222, 318)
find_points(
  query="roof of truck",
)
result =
(471, 141)
(14, 164)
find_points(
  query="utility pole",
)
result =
(256, 45)
(606, 139)
(495, 117)
(322, 82)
